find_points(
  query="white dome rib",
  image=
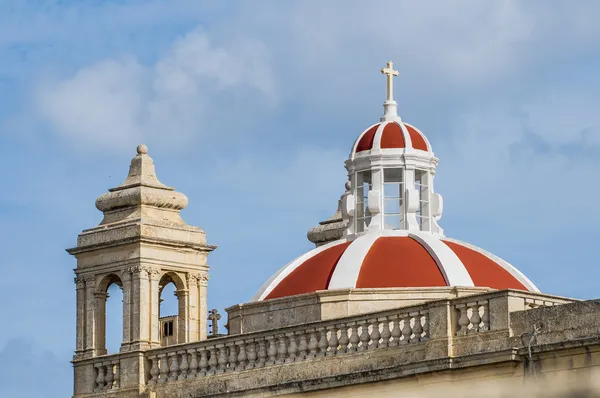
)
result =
(287, 269)
(454, 271)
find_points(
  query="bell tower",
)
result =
(141, 245)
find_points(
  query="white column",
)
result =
(376, 200)
(411, 201)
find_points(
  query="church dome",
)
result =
(393, 259)
(386, 232)
(390, 135)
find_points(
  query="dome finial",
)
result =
(390, 112)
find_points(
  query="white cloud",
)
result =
(115, 104)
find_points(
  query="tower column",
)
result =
(183, 320)
(140, 323)
(100, 329)
(90, 316)
(126, 281)
(192, 302)
(81, 315)
(154, 307)
(203, 305)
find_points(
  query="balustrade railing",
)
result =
(107, 373)
(472, 315)
(292, 344)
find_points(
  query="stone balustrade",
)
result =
(472, 317)
(472, 314)
(427, 330)
(108, 375)
(329, 338)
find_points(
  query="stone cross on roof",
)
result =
(390, 72)
(214, 317)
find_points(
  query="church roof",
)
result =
(393, 259)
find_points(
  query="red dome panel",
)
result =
(418, 142)
(392, 136)
(311, 275)
(366, 141)
(483, 270)
(399, 262)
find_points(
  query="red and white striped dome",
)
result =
(390, 135)
(394, 259)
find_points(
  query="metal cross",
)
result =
(390, 72)
(214, 318)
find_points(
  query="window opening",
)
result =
(393, 189)
(363, 186)
(422, 188)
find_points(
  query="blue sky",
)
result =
(250, 109)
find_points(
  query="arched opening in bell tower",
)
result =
(171, 309)
(109, 304)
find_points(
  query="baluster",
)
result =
(193, 364)
(262, 353)
(281, 349)
(271, 351)
(252, 357)
(233, 355)
(212, 360)
(164, 368)
(485, 318)
(385, 332)
(154, 372)
(302, 346)
(364, 336)
(375, 334)
(354, 340)
(406, 330)
(100, 377)
(475, 318)
(174, 368)
(417, 328)
(222, 359)
(183, 366)
(109, 378)
(293, 347)
(117, 374)
(425, 333)
(242, 358)
(193, 371)
(313, 344)
(333, 341)
(344, 340)
(463, 320)
(203, 363)
(396, 332)
(323, 344)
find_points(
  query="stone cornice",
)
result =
(141, 239)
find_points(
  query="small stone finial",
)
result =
(142, 149)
